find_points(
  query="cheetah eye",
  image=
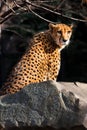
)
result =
(60, 32)
(69, 32)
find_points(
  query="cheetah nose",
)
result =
(64, 40)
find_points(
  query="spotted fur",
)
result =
(41, 61)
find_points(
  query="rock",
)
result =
(57, 105)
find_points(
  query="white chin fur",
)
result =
(62, 47)
(67, 42)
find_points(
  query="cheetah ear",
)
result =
(51, 26)
(71, 26)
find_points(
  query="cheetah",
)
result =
(41, 62)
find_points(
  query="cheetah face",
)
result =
(61, 34)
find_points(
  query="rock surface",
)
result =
(57, 105)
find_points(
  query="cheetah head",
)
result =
(61, 34)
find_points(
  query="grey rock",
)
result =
(54, 104)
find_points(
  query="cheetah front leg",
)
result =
(53, 68)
